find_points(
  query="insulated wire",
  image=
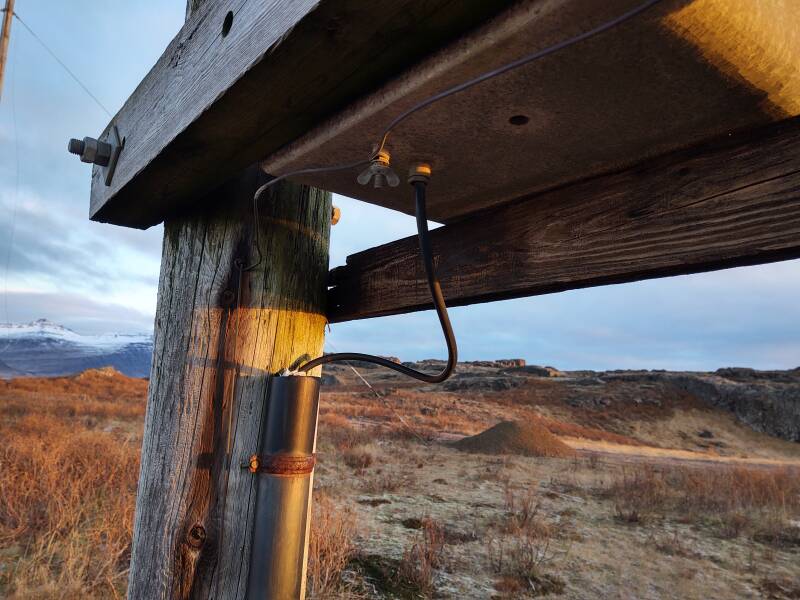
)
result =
(524, 60)
(438, 301)
(272, 182)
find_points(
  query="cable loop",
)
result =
(438, 302)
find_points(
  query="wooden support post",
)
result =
(220, 331)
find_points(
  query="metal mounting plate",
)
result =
(680, 73)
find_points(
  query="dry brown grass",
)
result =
(69, 465)
(67, 485)
(562, 428)
(523, 512)
(337, 432)
(733, 500)
(98, 393)
(331, 548)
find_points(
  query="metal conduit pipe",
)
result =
(285, 471)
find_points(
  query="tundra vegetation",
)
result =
(668, 499)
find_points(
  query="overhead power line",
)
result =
(63, 65)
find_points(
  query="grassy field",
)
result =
(400, 513)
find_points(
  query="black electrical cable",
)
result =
(438, 302)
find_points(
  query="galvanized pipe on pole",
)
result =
(285, 471)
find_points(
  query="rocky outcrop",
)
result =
(481, 383)
(767, 401)
(503, 363)
(535, 370)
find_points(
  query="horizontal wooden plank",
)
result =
(217, 102)
(731, 202)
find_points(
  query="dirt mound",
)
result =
(513, 437)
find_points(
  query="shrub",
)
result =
(358, 460)
(416, 568)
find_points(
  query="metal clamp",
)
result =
(281, 464)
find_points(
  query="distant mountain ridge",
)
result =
(46, 349)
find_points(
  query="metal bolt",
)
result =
(336, 214)
(252, 464)
(91, 150)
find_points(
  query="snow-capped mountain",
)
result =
(45, 348)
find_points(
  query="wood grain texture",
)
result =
(731, 202)
(217, 340)
(213, 104)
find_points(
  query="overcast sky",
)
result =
(99, 278)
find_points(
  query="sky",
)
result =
(98, 278)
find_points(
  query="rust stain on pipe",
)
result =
(286, 465)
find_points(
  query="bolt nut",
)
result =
(91, 150)
(254, 463)
(419, 172)
(336, 214)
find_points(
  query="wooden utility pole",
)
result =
(5, 36)
(223, 326)
(219, 336)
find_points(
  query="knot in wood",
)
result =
(197, 536)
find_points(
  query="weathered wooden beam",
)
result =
(730, 202)
(241, 79)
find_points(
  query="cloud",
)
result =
(47, 246)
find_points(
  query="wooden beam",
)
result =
(730, 202)
(242, 79)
